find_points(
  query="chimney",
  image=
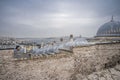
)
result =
(61, 39)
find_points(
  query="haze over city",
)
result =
(54, 18)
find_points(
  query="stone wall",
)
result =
(83, 64)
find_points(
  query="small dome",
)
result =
(109, 29)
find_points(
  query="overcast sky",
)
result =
(55, 18)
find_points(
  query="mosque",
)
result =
(110, 29)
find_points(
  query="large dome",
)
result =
(109, 29)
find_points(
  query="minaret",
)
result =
(112, 19)
(71, 38)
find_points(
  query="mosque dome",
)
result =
(109, 29)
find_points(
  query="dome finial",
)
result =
(112, 18)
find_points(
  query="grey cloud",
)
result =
(38, 18)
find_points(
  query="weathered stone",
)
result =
(114, 72)
(85, 63)
(117, 68)
(102, 78)
(93, 77)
